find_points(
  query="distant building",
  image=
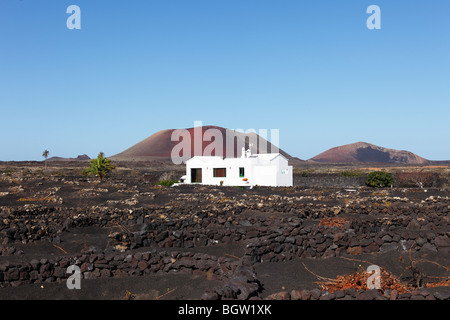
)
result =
(269, 169)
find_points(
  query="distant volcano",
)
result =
(82, 157)
(159, 146)
(362, 152)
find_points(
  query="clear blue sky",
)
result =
(311, 69)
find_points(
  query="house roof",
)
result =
(205, 158)
(262, 156)
(267, 156)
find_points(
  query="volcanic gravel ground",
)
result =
(203, 234)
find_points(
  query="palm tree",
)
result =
(45, 155)
(99, 167)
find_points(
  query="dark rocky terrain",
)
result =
(133, 239)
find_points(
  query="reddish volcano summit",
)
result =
(159, 146)
(362, 152)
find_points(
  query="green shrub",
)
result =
(379, 179)
(99, 167)
(304, 174)
(166, 183)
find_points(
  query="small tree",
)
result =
(379, 179)
(99, 167)
(45, 155)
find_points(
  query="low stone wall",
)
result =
(353, 239)
(239, 280)
(269, 228)
(337, 180)
(118, 265)
(296, 229)
(352, 294)
(328, 180)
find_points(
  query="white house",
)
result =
(270, 169)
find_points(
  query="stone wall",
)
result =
(352, 294)
(115, 265)
(328, 180)
(353, 239)
(392, 224)
(336, 180)
(269, 228)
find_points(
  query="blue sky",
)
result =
(311, 69)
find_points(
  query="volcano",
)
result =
(160, 145)
(363, 152)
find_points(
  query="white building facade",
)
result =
(269, 169)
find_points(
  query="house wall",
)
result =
(279, 161)
(258, 171)
(208, 165)
(195, 163)
(264, 176)
(285, 179)
(232, 176)
(284, 176)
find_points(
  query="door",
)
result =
(196, 175)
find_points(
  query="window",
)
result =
(220, 172)
(241, 172)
